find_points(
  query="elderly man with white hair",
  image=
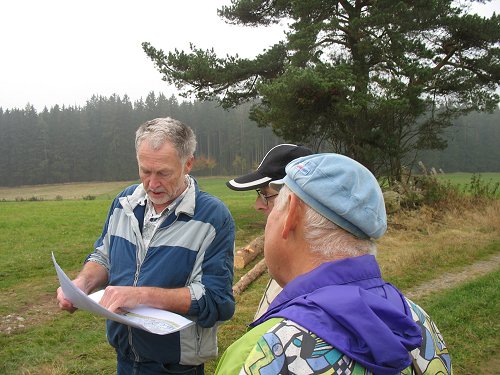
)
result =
(335, 315)
(165, 244)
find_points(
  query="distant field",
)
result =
(74, 190)
(249, 224)
(474, 183)
(98, 189)
(462, 179)
(216, 185)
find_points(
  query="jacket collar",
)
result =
(139, 196)
(338, 302)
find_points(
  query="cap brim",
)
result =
(249, 181)
(277, 185)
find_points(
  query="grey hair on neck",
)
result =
(326, 238)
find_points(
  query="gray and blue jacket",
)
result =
(194, 248)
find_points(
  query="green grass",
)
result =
(30, 231)
(460, 178)
(249, 223)
(468, 319)
(434, 264)
(60, 343)
(472, 183)
(74, 344)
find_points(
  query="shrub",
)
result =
(34, 199)
(427, 190)
(436, 191)
(478, 188)
(431, 191)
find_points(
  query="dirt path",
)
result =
(450, 280)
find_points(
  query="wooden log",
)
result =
(250, 277)
(248, 253)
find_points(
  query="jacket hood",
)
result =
(348, 304)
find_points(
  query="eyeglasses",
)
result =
(263, 197)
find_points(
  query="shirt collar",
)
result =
(150, 211)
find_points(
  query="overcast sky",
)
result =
(64, 51)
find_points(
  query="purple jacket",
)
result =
(350, 306)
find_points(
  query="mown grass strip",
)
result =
(467, 316)
(432, 264)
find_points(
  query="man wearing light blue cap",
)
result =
(335, 315)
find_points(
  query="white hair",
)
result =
(160, 130)
(325, 237)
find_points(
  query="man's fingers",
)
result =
(63, 303)
(116, 309)
(67, 306)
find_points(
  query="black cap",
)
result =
(271, 168)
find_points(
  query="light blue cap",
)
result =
(341, 189)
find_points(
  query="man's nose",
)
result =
(259, 205)
(154, 181)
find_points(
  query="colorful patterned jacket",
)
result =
(341, 318)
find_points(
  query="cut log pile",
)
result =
(243, 257)
(248, 253)
(250, 277)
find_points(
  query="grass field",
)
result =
(102, 190)
(469, 183)
(462, 179)
(36, 338)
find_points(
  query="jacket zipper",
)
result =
(136, 279)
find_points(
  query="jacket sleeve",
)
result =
(212, 291)
(100, 254)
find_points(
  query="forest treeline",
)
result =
(95, 142)
(473, 145)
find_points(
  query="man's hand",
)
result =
(92, 276)
(118, 298)
(65, 304)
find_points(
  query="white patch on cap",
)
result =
(249, 184)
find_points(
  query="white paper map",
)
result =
(153, 320)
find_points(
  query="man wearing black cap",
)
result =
(271, 168)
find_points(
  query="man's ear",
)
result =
(188, 165)
(292, 215)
